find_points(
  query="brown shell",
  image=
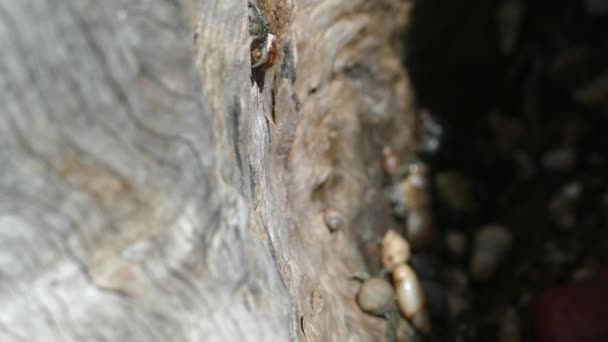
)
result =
(273, 52)
(395, 250)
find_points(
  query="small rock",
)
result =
(376, 296)
(561, 206)
(456, 304)
(562, 212)
(456, 190)
(490, 245)
(509, 326)
(456, 243)
(510, 17)
(560, 159)
(456, 281)
(572, 191)
(588, 269)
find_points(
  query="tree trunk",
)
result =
(151, 191)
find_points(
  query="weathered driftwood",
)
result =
(149, 191)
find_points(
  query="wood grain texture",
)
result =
(150, 191)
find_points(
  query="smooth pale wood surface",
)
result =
(149, 191)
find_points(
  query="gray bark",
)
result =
(149, 191)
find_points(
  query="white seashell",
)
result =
(490, 245)
(395, 250)
(410, 297)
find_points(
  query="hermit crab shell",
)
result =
(410, 297)
(395, 250)
(271, 45)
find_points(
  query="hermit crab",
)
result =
(264, 47)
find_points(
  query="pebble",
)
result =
(509, 326)
(588, 269)
(572, 190)
(560, 159)
(456, 243)
(456, 281)
(562, 212)
(490, 245)
(376, 296)
(561, 206)
(456, 190)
